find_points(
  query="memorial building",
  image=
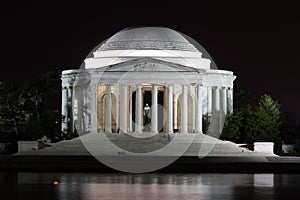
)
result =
(146, 80)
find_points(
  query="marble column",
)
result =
(154, 109)
(184, 112)
(74, 110)
(138, 109)
(64, 110)
(116, 113)
(175, 113)
(215, 121)
(93, 96)
(130, 108)
(108, 109)
(199, 109)
(170, 110)
(230, 100)
(123, 109)
(80, 104)
(223, 108)
(209, 100)
(224, 97)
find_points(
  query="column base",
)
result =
(123, 132)
(93, 131)
(137, 131)
(183, 132)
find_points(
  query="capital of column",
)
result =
(154, 87)
(94, 83)
(63, 87)
(94, 80)
(64, 81)
(138, 85)
(170, 86)
(185, 84)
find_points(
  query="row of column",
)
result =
(221, 103)
(64, 110)
(154, 109)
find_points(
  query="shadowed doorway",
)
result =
(147, 98)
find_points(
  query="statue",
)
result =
(147, 115)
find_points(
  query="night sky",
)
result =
(258, 41)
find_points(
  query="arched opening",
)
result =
(101, 109)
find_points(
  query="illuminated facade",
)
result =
(148, 65)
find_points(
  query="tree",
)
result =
(45, 116)
(41, 87)
(268, 117)
(13, 114)
(26, 113)
(248, 125)
(239, 126)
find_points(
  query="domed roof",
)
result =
(148, 38)
(159, 43)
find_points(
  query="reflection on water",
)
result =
(92, 186)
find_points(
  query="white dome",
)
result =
(147, 38)
(156, 42)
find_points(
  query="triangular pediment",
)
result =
(147, 65)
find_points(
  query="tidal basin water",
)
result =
(92, 186)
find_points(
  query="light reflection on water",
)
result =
(92, 186)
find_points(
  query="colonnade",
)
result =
(219, 104)
(218, 100)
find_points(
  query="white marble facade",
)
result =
(149, 65)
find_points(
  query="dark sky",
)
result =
(258, 41)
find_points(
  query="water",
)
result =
(92, 186)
